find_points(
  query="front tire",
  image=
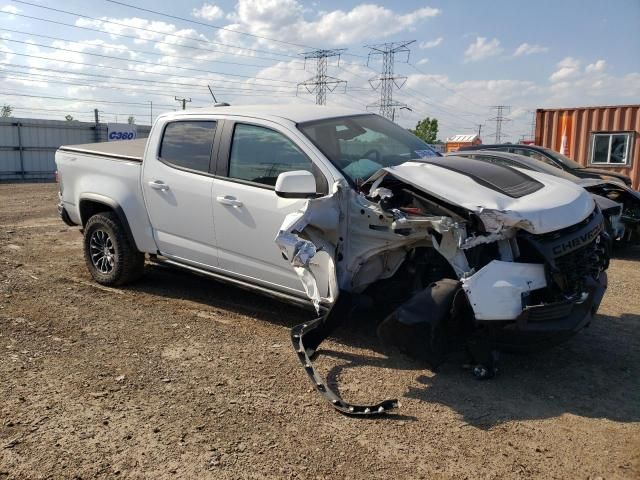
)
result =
(111, 257)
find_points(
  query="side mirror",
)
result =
(296, 184)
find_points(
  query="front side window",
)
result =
(360, 145)
(259, 155)
(188, 144)
(611, 148)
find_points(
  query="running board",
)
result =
(238, 283)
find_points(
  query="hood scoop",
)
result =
(499, 178)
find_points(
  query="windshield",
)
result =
(360, 145)
(566, 161)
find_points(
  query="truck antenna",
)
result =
(211, 92)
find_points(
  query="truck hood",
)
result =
(534, 201)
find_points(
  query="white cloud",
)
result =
(9, 9)
(527, 49)
(595, 88)
(458, 105)
(431, 43)
(598, 66)
(568, 67)
(5, 52)
(208, 11)
(285, 20)
(174, 40)
(482, 48)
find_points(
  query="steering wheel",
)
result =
(373, 150)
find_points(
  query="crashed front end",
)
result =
(483, 266)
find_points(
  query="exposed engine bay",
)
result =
(444, 274)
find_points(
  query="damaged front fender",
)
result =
(308, 240)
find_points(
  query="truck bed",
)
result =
(122, 150)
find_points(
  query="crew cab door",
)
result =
(246, 210)
(177, 186)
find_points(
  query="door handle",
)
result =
(229, 200)
(159, 185)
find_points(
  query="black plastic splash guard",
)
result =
(306, 337)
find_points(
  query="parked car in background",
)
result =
(619, 204)
(555, 159)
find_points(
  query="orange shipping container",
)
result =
(602, 137)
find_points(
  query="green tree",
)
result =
(131, 120)
(427, 130)
(6, 110)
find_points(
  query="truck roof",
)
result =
(134, 149)
(294, 112)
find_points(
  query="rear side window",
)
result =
(259, 155)
(535, 155)
(498, 161)
(188, 144)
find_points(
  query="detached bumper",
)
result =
(542, 326)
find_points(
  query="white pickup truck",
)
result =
(347, 212)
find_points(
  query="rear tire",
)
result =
(111, 257)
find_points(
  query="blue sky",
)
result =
(467, 56)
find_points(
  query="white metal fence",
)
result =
(28, 146)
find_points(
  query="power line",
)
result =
(406, 91)
(57, 110)
(355, 100)
(57, 60)
(387, 80)
(183, 37)
(441, 107)
(143, 52)
(142, 62)
(138, 79)
(321, 82)
(438, 107)
(420, 115)
(171, 44)
(444, 86)
(499, 119)
(106, 102)
(195, 22)
(112, 81)
(137, 88)
(133, 37)
(431, 104)
(78, 113)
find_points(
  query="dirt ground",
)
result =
(179, 376)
